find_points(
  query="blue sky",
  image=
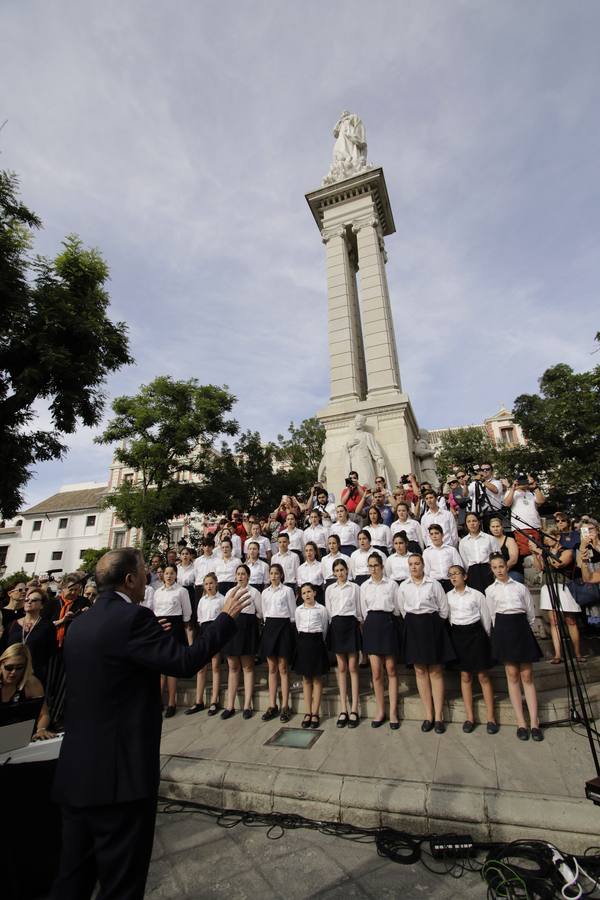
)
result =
(180, 139)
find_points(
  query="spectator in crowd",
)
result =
(90, 592)
(523, 499)
(378, 502)
(172, 557)
(508, 549)
(486, 493)
(458, 498)
(14, 608)
(156, 562)
(36, 632)
(237, 525)
(588, 559)
(560, 560)
(382, 488)
(18, 683)
(353, 493)
(434, 515)
(325, 507)
(569, 537)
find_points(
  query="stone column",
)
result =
(346, 350)
(381, 356)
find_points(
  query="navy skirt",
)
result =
(382, 634)
(472, 645)
(278, 639)
(225, 586)
(245, 640)
(348, 549)
(311, 657)
(480, 577)
(344, 635)
(426, 640)
(360, 579)
(383, 549)
(202, 631)
(177, 631)
(513, 640)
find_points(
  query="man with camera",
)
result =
(486, 493)
(353, 492)
(523, 499)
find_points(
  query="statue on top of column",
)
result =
(349, 150)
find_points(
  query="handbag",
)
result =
(585, 594)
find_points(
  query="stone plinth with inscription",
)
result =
(354, 216)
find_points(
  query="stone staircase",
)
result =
(549, 679)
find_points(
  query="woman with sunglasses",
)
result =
(36, 632)
(12, 611)
(18, 684)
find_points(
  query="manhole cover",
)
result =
(298, 738)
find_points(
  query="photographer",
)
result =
(458, 498)
(523, 498)
(486, 493)
(354, 494)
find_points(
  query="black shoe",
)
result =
(197, 707)
(247, 714)
(305, 723)
(537, 734)
(427, 726)
(227, 713)
(342, 720)
(171, 710)
(315, 720)
(353, 720)
(213, 709)
(394, 726)
(523, 734)
(269, 713)
(492, 728)
(468, 726)
(377, 723)
(439, 727)
(285, 715)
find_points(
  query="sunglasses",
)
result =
(11, 668)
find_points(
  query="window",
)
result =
(507, 435)
(3, 554)
(128, 478)
(29, 557)
(37, 525)
(90, 521)
(118, 540)
(175, 534)
(82, 553)
(62, 523)
(56, 555)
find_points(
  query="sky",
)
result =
(181, 138)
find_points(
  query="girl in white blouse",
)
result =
(396, 565)
(333, 545)
(381, 536)
(475, 549)
(226, 565)
(210, 605)
(381, 637)
(427, 644)
(171, 601)
(346, 530)
(277, 642)
(243, 646)
(311, 571)
(470, 625)
(513, 643)
(264, 544)
(259, 570)
(360, 558)
(316, 532)
(342, 601)
(311, 659)
(295, 536)
(410, 526)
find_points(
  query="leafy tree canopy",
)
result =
(301, 451)
(57, 343)
(465, 447)
(90, 559)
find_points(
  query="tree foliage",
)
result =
(464, 447)
(562, 426)
(90, 559)
(165, 433)
(57, 343)
(301, 451)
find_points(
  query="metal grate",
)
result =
(298, 738)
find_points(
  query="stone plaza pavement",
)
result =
(493, 787)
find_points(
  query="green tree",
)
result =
(562, 427)
(464, 447)
(166, 433)
(301, 451)
(57, 343)
(90, 559)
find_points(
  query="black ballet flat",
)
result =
(196, 708)
(213, 709)
(394, 726)
(468, 726)
(353, 720)
(227, 713)
(269, 713)
(247, 714)
(523, 734)
(285, 715)
(439, 727)
(315, 721)
(305, 723)
(427, 726)
(537, 734)
(342, 720)
(377, 723)
(492, 728)
(171, 710)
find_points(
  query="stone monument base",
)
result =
(391, 421)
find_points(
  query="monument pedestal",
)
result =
(354, 215)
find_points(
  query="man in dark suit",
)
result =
(108, 772)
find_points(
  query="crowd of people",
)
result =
(413, 575)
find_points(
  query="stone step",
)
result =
(550, 684)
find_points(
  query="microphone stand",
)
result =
(580, 711)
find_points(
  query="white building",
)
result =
(501, 429)
(55, 533)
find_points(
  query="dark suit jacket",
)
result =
(114, 656)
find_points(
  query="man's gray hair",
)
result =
(113, 568)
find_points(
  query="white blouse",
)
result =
(312, 619)
(210, 607)
(445, 520)
(186, 575)
(343, 600)
(412, 529)
(427, 597)
(171, 601)
(510, 598)
(360, 560)
(380, 534)
(379, 596)
(468, 607)
(328, 561)
(296, 538)
(259, 572)
(347, 533)
(396, 566)
(319, 535)
(204, 565)
(310, 573)
(264, 545)
(437, 561)
(278, 603)
(474, 550)
(254, 608)
(225, 568)
(290, 564)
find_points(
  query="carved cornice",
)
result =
(328, 233)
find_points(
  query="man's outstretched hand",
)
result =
(236, 602)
